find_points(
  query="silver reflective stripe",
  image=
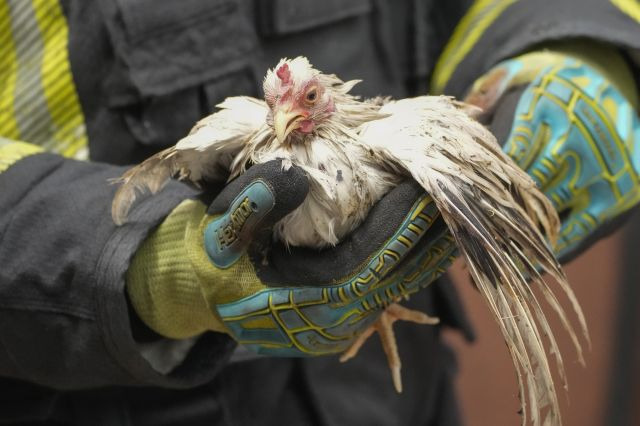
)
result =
(38, 100)
(30, 104)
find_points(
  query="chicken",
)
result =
(355, 151)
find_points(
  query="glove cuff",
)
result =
(163, 287)
(487, 91)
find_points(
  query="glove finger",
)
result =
(521, 137)
(524, 124)
(249, 206)
(576, 237)
(283, 190)
(430, 259)
(387, 234)
(502, 121)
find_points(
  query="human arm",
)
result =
(567, 117)
(65, 320)
(539, 38)
(66, 264)
(62, 326)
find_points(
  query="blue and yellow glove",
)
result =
(563, 120)
(216, 268)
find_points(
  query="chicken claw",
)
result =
(384, 327)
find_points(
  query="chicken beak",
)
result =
(285, 121)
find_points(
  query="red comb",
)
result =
(284, 74)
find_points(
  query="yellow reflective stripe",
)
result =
(8, 75)
(12, 151)
(629, 7)
(38, 100)
(466, 34)
(57, 82)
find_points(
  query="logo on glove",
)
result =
(228, 233)
(227, 237)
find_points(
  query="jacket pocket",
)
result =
(280, 17)
(168, 56)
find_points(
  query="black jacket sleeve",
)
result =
(519, 26)
(64, 319)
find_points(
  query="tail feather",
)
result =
(506, 249)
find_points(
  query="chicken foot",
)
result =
(384, 327)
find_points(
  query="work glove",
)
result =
(563, 119)
(215, 267)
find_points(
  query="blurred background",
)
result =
(607, 391)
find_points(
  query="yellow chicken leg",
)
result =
(384, 327)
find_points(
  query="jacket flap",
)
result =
(288, 16)
(162, 46)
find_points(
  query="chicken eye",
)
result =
(311, 96)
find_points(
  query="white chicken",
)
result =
(353, 152)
